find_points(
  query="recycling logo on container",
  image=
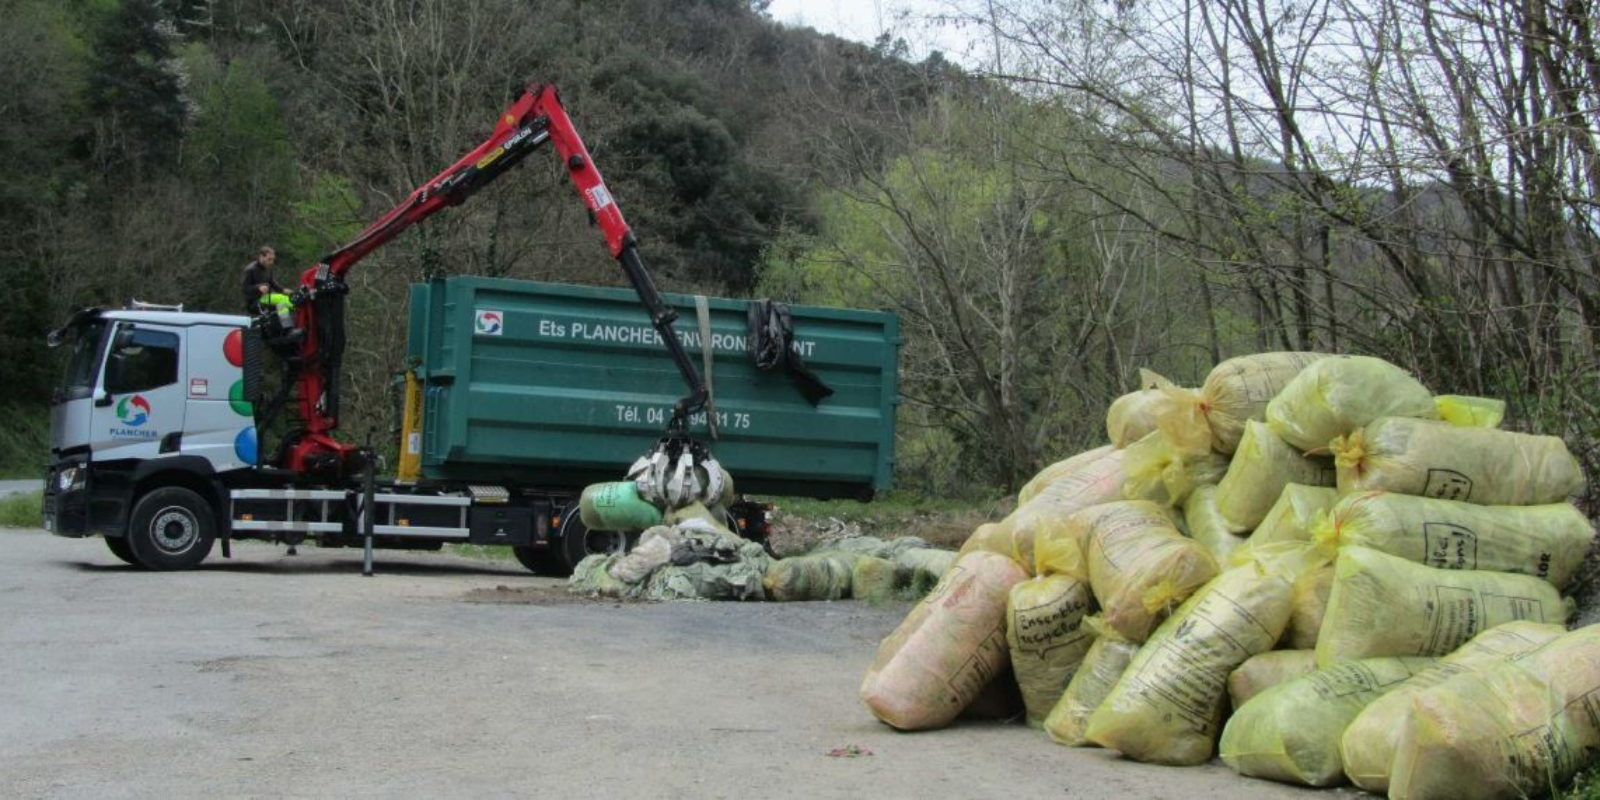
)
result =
(489, 323)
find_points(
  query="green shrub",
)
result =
(25, 510)
(24, 440)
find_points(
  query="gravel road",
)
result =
(19, 487)
(277, 675)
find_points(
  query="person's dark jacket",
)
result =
(254, 275)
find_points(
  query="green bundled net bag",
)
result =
(1383, 605)
(616, 506)
(1337, 395)
(1107, 658)
(877, 579)
(825, 576)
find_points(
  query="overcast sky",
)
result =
(863, 20)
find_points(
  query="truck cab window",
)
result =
(141, 360)
(77, 381)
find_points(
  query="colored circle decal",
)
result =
(244, 445)
(236, 400)
(233, 347)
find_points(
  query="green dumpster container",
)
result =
(529, 382)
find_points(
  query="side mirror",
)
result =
(102, 398)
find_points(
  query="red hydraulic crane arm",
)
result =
(535, 118)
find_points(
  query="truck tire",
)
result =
(171, 528)
(118, 545)
(578, 542)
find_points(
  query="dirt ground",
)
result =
(277, 675)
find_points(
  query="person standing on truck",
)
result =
(262, 293)
(258, 284)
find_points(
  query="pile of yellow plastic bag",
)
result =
(1311, 565)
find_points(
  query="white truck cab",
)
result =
(150, 399)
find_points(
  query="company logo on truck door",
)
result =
(133, 411)
(489, 323)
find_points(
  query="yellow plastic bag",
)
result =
(947, 649)
(1000, 538)
(1059, 470)
(1338, 395)
(1102, 667)
(1290, 733)
(1516, 729)
(1169, 704)
(1207, 527)
(1236, 391)
(1292, 517)
(1470, 412)
(1133, 415)
(1382, 605)
(1309, 603)
(1475, 465)
(1261, 672)
(1045, 633)
(1139, 565)
(1089, 483)
(1546, 541)
(1162, 473)
(1261, 468)
(1367, 747)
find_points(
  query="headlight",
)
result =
(70, 478)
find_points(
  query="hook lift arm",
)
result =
(535, 118)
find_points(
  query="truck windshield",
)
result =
(77, 382)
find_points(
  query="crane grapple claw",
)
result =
(677, 472)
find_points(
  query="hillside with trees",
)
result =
(1105, 187)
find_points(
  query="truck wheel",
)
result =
(171, 528)
(578, 542)
(118, 545)
(538, 561)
